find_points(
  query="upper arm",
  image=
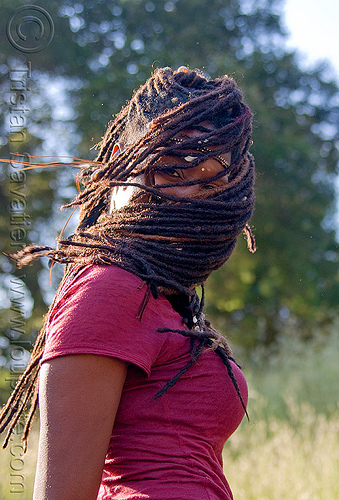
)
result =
(79, 397)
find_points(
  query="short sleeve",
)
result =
(97, 314)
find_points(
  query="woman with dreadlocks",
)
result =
(137, 392)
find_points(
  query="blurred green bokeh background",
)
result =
(279, 306)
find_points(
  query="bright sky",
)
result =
(314, 29)
(313, 26)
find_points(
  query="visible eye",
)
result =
(208, 186)
(172, 172)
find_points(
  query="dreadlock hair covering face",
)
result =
(171, 243)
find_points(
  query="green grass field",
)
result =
(288, 451)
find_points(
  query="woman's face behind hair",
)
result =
(176, 180)
(204, 171)
(179, 206)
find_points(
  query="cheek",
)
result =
(160, 179)
(120, 197)
(179, 191)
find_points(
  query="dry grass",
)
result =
(17, 470)
(292, 459)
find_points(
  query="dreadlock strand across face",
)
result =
(171, 243)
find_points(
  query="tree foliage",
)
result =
(101, 52)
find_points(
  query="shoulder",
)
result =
(98, 291)
(99, 286)
(113, 275)
(96, 312)
(100, 276)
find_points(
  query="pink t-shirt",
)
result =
(168, 448)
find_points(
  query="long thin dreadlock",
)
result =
(173, 244)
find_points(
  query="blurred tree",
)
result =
(295, 270)
(101, 51)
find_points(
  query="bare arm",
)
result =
(79, 398)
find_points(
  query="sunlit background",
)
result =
(279, 307)
(313, 30)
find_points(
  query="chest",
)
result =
(203, 402)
